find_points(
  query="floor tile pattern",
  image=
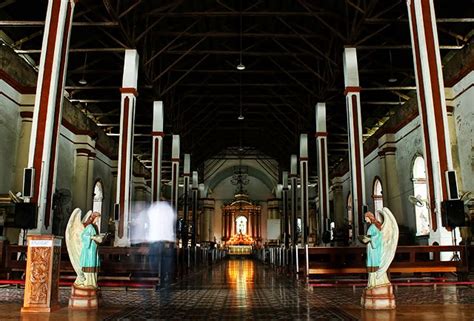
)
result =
(246, 290)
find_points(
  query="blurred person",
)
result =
(162, 238)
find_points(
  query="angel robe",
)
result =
(89, 254)
(374, 249)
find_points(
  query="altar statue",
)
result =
(381, 241)
(82, 239)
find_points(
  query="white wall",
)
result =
(10, 101)
(464, 116)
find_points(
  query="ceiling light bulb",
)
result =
(241, 117)
(240, 66)
(392, 79)
(83, 81)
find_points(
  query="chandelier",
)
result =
(239, 179)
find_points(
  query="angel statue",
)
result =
(82, 239)
(381, 240)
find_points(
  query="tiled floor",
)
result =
(246, 290)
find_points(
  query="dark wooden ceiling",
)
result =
(189, 51)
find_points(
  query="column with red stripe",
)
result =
(356, 150)
(125, 152)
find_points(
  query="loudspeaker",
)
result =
(116, 211)
(25, 215)
(451, 179)
(452, 213)
(28, 181)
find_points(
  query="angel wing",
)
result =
(74, 229)
(389, 240)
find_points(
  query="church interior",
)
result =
(308, 150)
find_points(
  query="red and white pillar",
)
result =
(294, 198)
(285, 224)
(175, 172)
(195, 195)
(125, 156)
(48, 107)
(304, 188)
(322, 160)
(186, 177)
(432, 109)
(157, 150)
(356, 150)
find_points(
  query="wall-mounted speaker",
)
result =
(451, 179)
(28, 182)
(452, 213)
(25, 215)
(116, 212)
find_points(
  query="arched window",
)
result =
(377, 195)
(420, 191)
(350, 217)
(241, 224)
(98, 199)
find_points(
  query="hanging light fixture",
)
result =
(240, 66)
(392, 78)
(83, 80)
(241, 116)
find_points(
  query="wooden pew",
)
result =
(325, 261)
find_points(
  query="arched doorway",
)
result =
(420, 191)
(377, 196)
(98, 200)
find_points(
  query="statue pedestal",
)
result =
(378, 298)
(83, 298)
(42, 274)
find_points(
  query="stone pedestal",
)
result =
(84, 298)
(42, 274)
(378, 298)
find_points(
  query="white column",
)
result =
(125, 157)
(48, 107)
(294, 198)
(356, 150)
(175, 172)
(157, 150)
(285, 217)
(195, 193)
(304, 187)
(432, 110)
(323, 175)
(186, 177)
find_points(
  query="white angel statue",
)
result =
(82, 239)
(381, 240)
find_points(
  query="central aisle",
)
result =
(235, 289)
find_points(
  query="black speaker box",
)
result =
(25, 215)
(452, 213)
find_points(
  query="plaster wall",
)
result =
(372, 170)
(464, 116)
(10, 101)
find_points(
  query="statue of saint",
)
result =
(381, 241)
(82, 239)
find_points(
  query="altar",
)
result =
(240, 244)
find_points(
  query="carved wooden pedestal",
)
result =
(378, 298)
(42, 274)
(83, 298)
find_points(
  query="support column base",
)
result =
(378, 298)
(40, 309)
(83, 298)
